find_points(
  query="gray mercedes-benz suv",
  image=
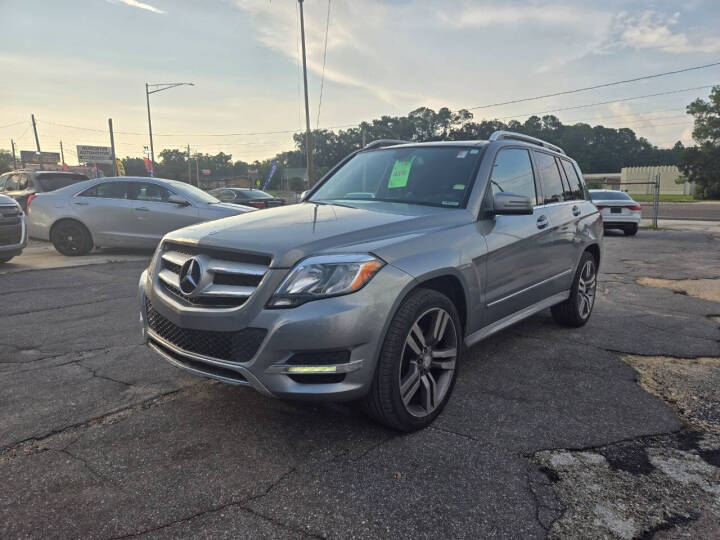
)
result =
(402, 256)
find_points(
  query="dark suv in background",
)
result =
(24, 185)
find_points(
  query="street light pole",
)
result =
(157, 88)
(308, 133)
(152, 150)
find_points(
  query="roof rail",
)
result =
(499, 135)
(381, 143)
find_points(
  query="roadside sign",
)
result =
(120, 167)
(205, 172)
(94, 154)
(31, 156)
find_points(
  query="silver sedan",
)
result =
(120, 212)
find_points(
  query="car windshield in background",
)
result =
(51, 182)
(430, 175)
(609, 196)
(196, 194)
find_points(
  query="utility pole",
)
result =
(189, 167)
(308, 133)
(37, 141)
(112, 148)
(152, 150)
(197, 172)
(62, 155)
(161, 87)
(12, 144)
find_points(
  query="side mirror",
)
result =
(304, 194)
(512, 204)
(177, 199)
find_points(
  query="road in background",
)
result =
(687, 211)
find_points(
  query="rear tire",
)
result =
(417, 366)
(631, 230)
(576, 310)
(71, 238)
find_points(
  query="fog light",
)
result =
(312, 369)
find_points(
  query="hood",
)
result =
(220, 210)
(5, 200)
(290, 233)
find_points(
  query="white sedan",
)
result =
(618, 210)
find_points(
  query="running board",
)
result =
(503, 323)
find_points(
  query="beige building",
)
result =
(626, 178)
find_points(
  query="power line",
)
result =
(595, 87)
(13, 124)
(609, 102)
(322, 79)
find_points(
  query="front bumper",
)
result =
(16, 248)
(353, 326)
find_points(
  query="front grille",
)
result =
(238, 346)
(10, 234)
(233, 276)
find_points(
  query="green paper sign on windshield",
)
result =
(400, 173)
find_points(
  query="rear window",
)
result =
(609, 196)
(255, 194)
(51, 182)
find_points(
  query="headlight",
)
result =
(324, 276)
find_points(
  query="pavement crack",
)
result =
(66, 306)
(242, 504)
(95, 374)
(41, 443)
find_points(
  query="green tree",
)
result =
(6, 162)
(701, 163)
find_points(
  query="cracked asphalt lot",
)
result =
(550, 431)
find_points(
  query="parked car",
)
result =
(13, 229)
(372, 287)
(24, 185)
(618, 210)
(120, 212)
(247, 197)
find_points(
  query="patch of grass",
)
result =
(644, 197)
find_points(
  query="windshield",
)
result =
(609, 196)
(431, 175)
(51, 182)
(196, 194)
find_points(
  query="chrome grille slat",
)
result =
(169, 277)
(229, 278)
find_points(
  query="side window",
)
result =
(151, 192)
(22, 181)
(3, 181)
(576, 186)
(513, 173)
(12, 182)
(226, 195)
(550, 179)
(108, 190)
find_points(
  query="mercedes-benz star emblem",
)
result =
(190, 275)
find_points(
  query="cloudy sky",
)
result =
(74, 64)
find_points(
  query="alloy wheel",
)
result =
(586, 289)
(428, 362)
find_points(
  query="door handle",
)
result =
(542, 222)
(575, 211)
(142, 209)
(80, 203)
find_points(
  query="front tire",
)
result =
(576, 310)
(417, 367)
(6, 259)
(71, 238)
